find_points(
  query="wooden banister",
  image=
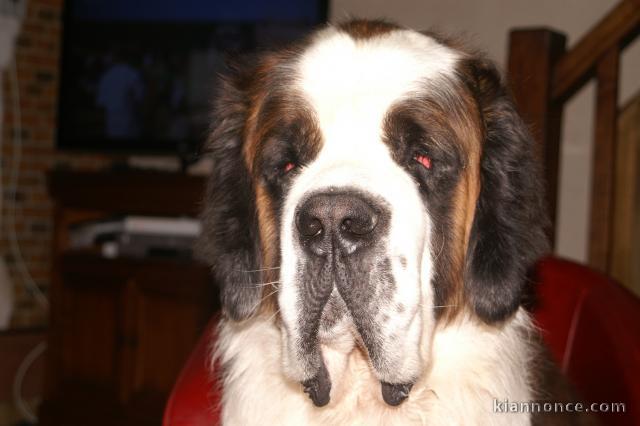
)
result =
(604, 157)
(616, 30)
(535, 53)
(544, 77)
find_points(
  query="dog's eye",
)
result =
(423, 160)
(287, 167)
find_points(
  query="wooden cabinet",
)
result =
(120, 329)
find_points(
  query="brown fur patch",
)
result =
(274, 108)
(267, 228)
(364, 30)
(253, 136)
(444, 118)
(465, 200)
(468, 128)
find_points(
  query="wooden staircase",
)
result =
(544, 76)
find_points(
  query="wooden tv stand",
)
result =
(120, 329)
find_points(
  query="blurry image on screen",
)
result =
(141, 75)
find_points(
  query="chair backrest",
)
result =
(195, 398)
(592, 326)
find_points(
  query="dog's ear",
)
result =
(230, 238)
(508, 231)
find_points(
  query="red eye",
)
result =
(288, 167)
(423, 160)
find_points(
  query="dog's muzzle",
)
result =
(342, 234)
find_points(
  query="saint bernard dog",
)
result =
(373, 212)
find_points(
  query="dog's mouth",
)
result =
(319, 388)
(351, 273)
(387, 343)
(334, 317)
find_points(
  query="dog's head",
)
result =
(369, 183)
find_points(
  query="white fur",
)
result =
(471, 365)
(350, 85)
(461, 367)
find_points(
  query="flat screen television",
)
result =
(138, 76)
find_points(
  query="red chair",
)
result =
(195, 399)
(591, 324)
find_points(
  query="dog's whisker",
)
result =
(258, 270)
(262, 299)
(274, 315)
(441, 245)
(444, 306)
(258, 285)
(270, 294)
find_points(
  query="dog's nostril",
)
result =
(360, 225)
(308, 225)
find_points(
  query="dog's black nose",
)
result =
(337, 221)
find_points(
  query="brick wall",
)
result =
(37, 55)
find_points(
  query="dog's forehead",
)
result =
(351, 82)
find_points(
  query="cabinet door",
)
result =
(122, 332)
(84, 366)
(91, 330)
(172, 306)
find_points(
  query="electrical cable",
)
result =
(14, 246)
(18, 381)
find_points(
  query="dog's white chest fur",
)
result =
(472, 365)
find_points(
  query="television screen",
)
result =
(138, 76)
